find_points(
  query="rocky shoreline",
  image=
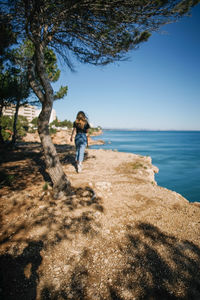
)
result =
(117, 236)
(62, 137)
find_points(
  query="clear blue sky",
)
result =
(157, 88)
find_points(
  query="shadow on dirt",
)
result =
(18, 275)
(50, 222)
(22, 151)
(26, 164)
(76, 289)
(23, 166)
(55, 220)
(157, 266)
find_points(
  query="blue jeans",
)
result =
(81, 143)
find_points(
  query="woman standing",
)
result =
(80, 127)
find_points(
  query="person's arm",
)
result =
(87, 134)
(72, 135)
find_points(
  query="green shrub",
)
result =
(65, 123)
(52, 130)
(7, 126)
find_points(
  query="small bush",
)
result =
(7, 127)
(52, 130)
(45, 186)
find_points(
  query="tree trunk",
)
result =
(1, 114)
(53, 165)
(15, 122)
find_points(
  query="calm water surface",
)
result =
(175, 153)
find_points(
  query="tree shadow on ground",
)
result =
(30, 165)
(23, 168)
(50, 222)
(59, 219)
(66, 154)
(158, 266)
(76, 289)
(18, 274)
(22, 151)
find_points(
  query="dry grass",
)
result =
(131, 167)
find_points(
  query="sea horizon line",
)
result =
(144, 129)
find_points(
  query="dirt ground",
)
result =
(118, 236)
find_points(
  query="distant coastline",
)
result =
(151, 130)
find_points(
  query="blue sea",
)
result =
(175, 153)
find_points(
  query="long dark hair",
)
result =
(81, 119)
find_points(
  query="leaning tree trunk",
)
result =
(1, 136)
(53, 165)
